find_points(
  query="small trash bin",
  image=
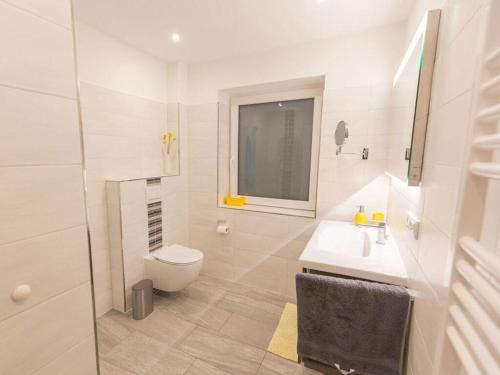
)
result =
(142, 299)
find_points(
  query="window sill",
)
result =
(272, 210)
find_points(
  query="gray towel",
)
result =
(356, 324)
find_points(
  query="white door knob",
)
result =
(21, 293)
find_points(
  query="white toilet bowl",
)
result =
(174, 267)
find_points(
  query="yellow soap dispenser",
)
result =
(360, 217)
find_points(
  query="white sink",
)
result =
(343, 248)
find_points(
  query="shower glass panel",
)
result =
(274, 149)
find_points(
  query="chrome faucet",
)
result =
(382, 230)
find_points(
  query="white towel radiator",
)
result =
(473, 325)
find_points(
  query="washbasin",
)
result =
(347, 240)
(343, 248)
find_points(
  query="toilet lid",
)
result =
(177, 254)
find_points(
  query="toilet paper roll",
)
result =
(222, 229)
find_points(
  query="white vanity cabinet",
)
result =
(129, 233)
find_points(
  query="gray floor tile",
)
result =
(110, 332)
(223, 353)
(198, 312)
(109, 369)
(174, 362)
(202, 368)
(161, 325)
(213, 327)
(138, 353)
(218, 283)
(246, 306)
(248, 331)
(275, 365)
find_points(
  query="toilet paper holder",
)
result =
(222, 227)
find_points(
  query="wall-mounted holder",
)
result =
(413, 224)
(364, 153)
(408, 153)
(222, 227)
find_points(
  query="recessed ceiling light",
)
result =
(176, 37)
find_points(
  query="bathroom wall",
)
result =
(43, 231)
(262, 249)
(436, 201)
(125, 108)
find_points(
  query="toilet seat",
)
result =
(177, 254)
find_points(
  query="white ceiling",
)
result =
(214, 29)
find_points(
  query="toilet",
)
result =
(173, 267)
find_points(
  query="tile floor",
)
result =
(213, 327)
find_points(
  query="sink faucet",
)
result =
(382, 230)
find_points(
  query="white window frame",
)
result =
(317, 95)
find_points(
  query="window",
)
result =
(274, 149)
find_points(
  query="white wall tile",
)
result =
(43, 232)
(436, 201)
(441, 185)
(74, 361)
(34, 126)
(57, 11)
(38, 55)
(447, 132)
(37, 336)
(342, 181)
(65, 259)
(429, 313)
(459, 63)
(435, 257)
(419, 360)
(98, 55)
(48, 198)
(122, 140)
(262, 224)
(269, 274)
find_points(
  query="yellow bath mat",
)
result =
(284, 341)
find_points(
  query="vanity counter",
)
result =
(345, 249)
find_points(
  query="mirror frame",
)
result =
(428, 29)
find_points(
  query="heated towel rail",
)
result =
(473, 327)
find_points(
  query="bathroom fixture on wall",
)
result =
(137, 242)
(412, 85)
(341, 134)
(473, 323)
(174, 267)
(413, 224)
(343, 248)
(381, 230)
(222, 227)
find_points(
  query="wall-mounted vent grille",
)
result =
(154, 226)
(151, 181)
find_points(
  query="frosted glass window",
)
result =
(274, 149)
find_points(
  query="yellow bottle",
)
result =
(378, 216)
(360, 217)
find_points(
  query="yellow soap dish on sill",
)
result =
(234, 201)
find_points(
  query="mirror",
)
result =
(341, 133)
(410, 102)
